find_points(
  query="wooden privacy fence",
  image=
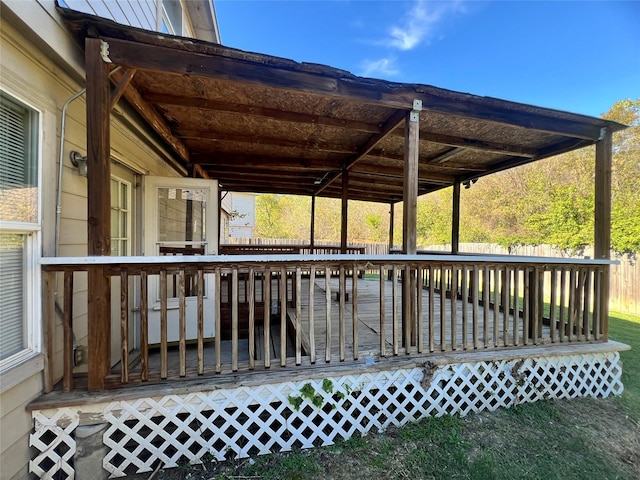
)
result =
(282, 311)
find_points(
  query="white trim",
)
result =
(32, 313)
(22, 366)
(233, 259)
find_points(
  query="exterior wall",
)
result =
(244, 224)
(43, 68)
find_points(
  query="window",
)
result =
(120, 217)
(20, 230)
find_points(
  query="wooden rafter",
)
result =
(389, 126)
(153, 117)
(257, 111)
(444, 157)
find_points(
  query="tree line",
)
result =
(546, 202)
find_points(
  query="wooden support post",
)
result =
(455, 220)
(410, 199)
(345, 211)
(312, 235)
(602, 233)
(391, 222)
(98, 213)
(409, 224)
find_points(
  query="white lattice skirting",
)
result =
(247, 421)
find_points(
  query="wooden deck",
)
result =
(489, 333)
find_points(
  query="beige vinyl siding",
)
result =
(28, 73)
(16, 425)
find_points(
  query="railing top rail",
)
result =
(224, 260)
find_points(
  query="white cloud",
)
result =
(419, 22)
(382, 67)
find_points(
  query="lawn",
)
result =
(576, 439)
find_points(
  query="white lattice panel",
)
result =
(53, 437)
(255, 420)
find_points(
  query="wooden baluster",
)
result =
(354, 309)
(218, 340)
(283, 317)
(342, 289)
(597, 299)
(552, 306)
(587, 304)
(496, 306)
(506, 304)
(432, 300)
(572, 302)
(486, 304)
(465, 300)
(327, 284)
(563, 319)
(252, 319)
(454, 307)
(234, 318)
(475, 286)
(312, 332)
(443, 309)
(67, 328)
(267, 317)
(394, 296)
(383, 314)
(124, 327)
(298, 316)
(163, 324)
(420, 342)
(516, 305)
(144, 327)
(182, 313)
(526, 305)
(201, 321)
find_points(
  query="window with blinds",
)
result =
(20, 223)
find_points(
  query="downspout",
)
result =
(60, 168)
(63, 123)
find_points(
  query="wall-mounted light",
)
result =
(467, 183)
(80, 162)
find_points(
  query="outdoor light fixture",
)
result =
(80, 162)
(467, 183)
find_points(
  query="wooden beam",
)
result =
(444, 157)
(602, 234)
(474, 144)
(245, 69)
(198, 170)
(122, 85)
(209, 136)
(391, 124)
(455, 220)
(154, 119)
(345, 211)
(399, 159)
(257, 111)
(262, 161)
(98, 212)
(410, 199)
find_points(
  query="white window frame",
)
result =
(32, 278)
(127, 209)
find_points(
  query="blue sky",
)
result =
(579, 56)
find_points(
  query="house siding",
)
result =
(243, 204)
(30, 72)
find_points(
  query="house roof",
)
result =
(266, 124)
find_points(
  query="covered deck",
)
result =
(379, 340)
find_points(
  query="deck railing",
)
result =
(290, 310)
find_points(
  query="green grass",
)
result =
(625, 328)
(547, 440)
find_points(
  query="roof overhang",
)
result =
(260, 123)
